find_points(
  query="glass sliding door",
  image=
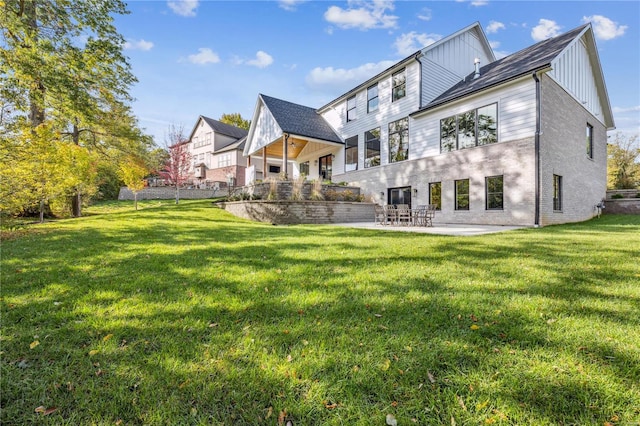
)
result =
(326, 166)
(400, 196)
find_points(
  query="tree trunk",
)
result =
(135, 200)
(76, 199)
(37, 93)
(41, 211)
(177, 193)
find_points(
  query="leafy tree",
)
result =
(132, 172)
(235, 119)
(61, 61)
(176, 170)
(623, 162)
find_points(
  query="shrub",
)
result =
(316, 191)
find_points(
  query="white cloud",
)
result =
(499, 53)
(183, 7)
(479, 3)
(619, 110)
(425, 14)
(408, 43)
(343, 79)
(204, 56)
(137, 45)
(545, 29)
(262, 60)
(604, 28)
(494, 27)
(363, 15)
(290, 5)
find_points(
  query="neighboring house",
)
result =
(216, 152)
(520, 140)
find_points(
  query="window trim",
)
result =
(353, 98)
(589, 141)
(369, 99)
(456, 195)
(439, 203)
(557, 193)
(398, 132)
(393, 86)
(346, 149)
(487, 193)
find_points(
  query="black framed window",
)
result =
(372, 98)
(435, 194)
(399, 140)
(325, 167)
(351, 109)
(372, 147)
(274, 169)
(351, 154)
(400, 196)
(471, 128)
(399, 85)
(494, 192)
(590, 141)
(557, 193)
(304, 168)
(462, 194)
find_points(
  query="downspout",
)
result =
(418, 56)
(536, 222)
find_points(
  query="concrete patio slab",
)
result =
(437, 228)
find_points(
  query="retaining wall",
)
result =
(287, 212)
(168, 193)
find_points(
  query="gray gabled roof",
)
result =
(526, 61)
(299, 120)
(225, 129)
(239, 145)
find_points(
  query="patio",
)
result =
(455, 229)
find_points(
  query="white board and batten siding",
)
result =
(448, 63)
(573, 70)
(387, 112)
(265, 131)
(516, 117)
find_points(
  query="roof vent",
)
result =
(476, 62)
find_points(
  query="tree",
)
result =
(178, 165)
(132, 172)
(623, 162)
(61, 61)
(235, 119)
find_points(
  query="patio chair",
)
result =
(431, 213)
(420, 216)
(404, 214)
(380, 215)
(390, 213)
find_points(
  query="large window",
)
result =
(372, 147)
(351, 108)
(494, 192)
(468, 129)
(351, 154)
(462, 194)
(435, 194)
(399, 140)
(224, 160)
(399, 85)
(590, 140)
(372, 98)
(557, 193)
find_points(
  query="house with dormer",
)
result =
(515, 141)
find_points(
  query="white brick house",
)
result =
(519, 141)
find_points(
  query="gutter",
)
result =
(536, 222)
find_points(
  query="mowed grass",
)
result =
(187, 315)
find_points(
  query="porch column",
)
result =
(285, 153)
(264, 163)
(248, 161)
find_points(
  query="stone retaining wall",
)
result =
(630, 204)
(286, 212)
(284, 190)
(168, 193)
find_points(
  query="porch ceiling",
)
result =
(295, 147)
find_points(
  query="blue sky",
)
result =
(208, 57)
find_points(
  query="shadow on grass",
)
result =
(229, 321)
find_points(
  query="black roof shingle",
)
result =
(225, 129)
(300, 120)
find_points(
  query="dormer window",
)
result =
(351, 109)
(399, 85)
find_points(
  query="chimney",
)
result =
(476, 62)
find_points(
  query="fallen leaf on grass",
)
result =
(269, 412)
(330, 405)
(431, 378)
(461, 402)
(474, 327)
(46, 411)
(34, 344)
(107, 337)
(282, 416)
(391, 420)
(385, 365)
(93, 352)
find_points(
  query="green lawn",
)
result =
(188, 315)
